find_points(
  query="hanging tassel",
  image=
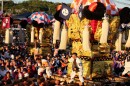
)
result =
(32, 34)
(86, 42)
(11, 36)
(41, 35)
(118, 42)
(123, 37)
(56, 33)
(105, 28)
(128, 41)
(7, 38)
(127, 45)
(64, 36)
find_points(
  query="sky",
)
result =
(65, 1)
(119, 5)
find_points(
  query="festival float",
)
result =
(40, 33)
(93, 31)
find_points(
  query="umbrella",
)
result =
(40, 17)
(110, 5)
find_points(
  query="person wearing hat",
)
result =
(77, 67)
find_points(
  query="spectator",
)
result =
(59, 72)
(7, 79)
(57, 83)
(40, 71)
(18, 74)
(25, 73)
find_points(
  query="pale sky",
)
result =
(65, 1)
(119, 5)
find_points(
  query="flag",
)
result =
(65, 12)
(6, 22)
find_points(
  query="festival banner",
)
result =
(6, 22)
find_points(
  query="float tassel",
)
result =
(64, 36)
(7, 38)
(105, 28)
(41, 35)
(118, 42)
(128, 41)
(86, 42)
(56, 33)
(32, 34)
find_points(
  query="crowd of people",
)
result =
(17, 65)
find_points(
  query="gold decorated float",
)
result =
(98, 48)
(43, 47)
(94, 35)
(75, 29)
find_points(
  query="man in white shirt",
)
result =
(77, 67)
(46, 64)
(127, 65)
(40, 70)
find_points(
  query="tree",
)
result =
(30, 6)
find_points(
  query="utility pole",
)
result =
(2, 5)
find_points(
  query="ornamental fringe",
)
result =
(86, 40)
(64, 38)
(105, 28)
(32, 34)
(56, 33)
(128, 41)
(7, 38)
(41, 35)
(118, 42)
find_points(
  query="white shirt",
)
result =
(26, 75)
(78, 62)
(127, 63)
(44, 61)
(40, 70)
(20, 76)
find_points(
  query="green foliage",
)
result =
(30, 6)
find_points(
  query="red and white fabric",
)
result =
(40, 17)
(110, 5)
(5, 22)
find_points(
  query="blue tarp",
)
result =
(22, 16)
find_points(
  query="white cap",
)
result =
(12, 56)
